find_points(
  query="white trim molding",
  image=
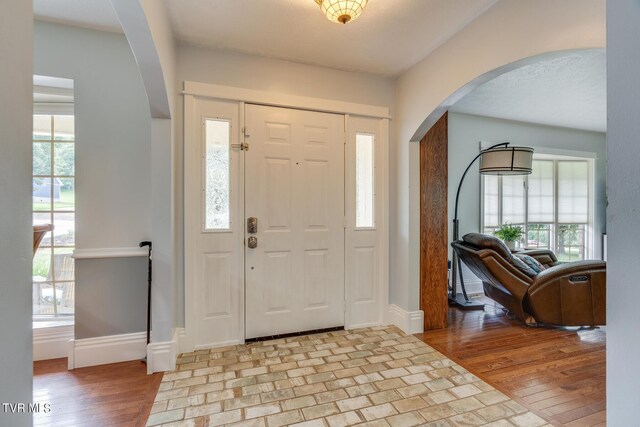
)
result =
(410, 322)
(98, 253)
(273, 99)
(473, 287)
(162, 356)
(104, 350)
(51, 342)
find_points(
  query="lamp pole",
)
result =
(456, 264)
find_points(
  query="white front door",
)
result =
(294, 187)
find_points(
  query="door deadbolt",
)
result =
(252, 242)
(252, 225)
(243, 146)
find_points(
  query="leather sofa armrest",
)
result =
(571, 294)
(567, 269)
(545, 257)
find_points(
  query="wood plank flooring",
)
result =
(559, 373)
(119, 394)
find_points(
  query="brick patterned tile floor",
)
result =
(370, 377)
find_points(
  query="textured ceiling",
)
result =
(389, 37)
(93, 14)
(569, 91)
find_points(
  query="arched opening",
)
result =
(441, 162)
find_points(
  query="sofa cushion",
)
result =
(532, 263)
(522, 266)
(484, 241)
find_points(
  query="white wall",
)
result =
(508, 32)
(113, 162)
(16, 87)
(465, 131)
(148, 29)
(623, 219)
(254, 72)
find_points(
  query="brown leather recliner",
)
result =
(570, 294)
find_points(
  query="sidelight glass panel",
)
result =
(217, 174)
(365, 178)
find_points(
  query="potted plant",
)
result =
(509, 233)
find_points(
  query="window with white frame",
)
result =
(553, 205)
(54, 203)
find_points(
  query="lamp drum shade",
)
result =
(506, 161)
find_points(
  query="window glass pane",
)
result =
(571, 242)
(41, 219)
(65, 298)
(573, 191)
(64, 233)
(42, 265)
(41, 128)
(541, 189)
(491, 209)
(42, 158)
(365, 176)
(43, 297)
(63, 264)
(64, 158)
(66, 194)
(41, 192)
(217, 175)
(63, 128)
(512, 199)
(539, 236)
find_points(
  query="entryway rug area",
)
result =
(371, 377)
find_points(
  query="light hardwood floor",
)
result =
(120, 394)
(557, 372)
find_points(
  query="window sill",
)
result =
(52, 323)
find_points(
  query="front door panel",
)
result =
(294, 187)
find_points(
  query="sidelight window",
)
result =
(217, 174)
(365, 178)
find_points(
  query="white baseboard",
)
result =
(161, 356)
(473, 287)
(410, 322)
(52, 342)
(104, 350)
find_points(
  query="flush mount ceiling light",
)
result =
(342, 11)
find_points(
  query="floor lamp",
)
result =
(499, 159)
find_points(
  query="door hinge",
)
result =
(344, 222)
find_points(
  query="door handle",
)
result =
(252, 225)
(252, 242)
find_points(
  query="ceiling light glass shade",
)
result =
(506, 161)
(342, 11)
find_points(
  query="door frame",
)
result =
(193, 91)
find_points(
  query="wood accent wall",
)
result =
(434, 225)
